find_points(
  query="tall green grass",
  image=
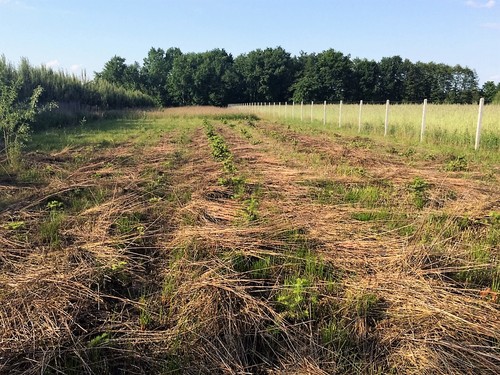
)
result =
(451, 124)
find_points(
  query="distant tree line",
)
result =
(173, 78)
(216, 78)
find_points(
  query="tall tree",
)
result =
(266, 75)
(489, 90)
(365, 82)
(155, 72)
(327, 76)
(391, 79)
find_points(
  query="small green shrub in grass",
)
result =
(250, 209)
(419, 189)
(49, 229)
(298, 298)
(457, 164)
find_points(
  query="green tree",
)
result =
(326, 76)
(155, 71)
(464, 86)
(265, 75)
(489, 90)
(365, 80)
(202, 78)
(116, 71)
(391, 79)
(15, 117)
(496, 99)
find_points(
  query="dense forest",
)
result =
(274, 75)
(173, 78)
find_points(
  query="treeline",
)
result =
(173, 78)
(216, 78)
(69, 90)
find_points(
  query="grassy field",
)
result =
(445, 124)
(209, 241)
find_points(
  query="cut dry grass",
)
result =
(161, 266)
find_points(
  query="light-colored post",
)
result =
(386, 124)
(302, 110)
(359, 117)
(312, 106)
(324, 112)
(274, 109)
(293, 110)
(279, 110)
(340, 114)
(286, 107)
(424, 115)
(479, 123)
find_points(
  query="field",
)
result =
(212, 241)
(446, 124)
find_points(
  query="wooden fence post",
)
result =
(340, 114)
(479, 123)
(324, 112)
(312, 106)
(386, 124)
(424, 115)
(302, 111)
(359, 117)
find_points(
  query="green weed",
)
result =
(49, 229)
(99, 340)
(457, 164)
(14, 225)
(419, 189)
(145, 318)
(297, 299)
(250, 208)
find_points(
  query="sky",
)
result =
(82, 35)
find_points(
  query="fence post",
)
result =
(324, 112)
(424, 114)
(286, 107)
(302, 110)
(479, 123)
(386, 124)
(293, 110)
(279, 109)
(340, 114)
(312, 106)
(359, 118)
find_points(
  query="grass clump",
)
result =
(362, 194)
(419, 189)
(50, 228)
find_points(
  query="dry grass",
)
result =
(160, 269)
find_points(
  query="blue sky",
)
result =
(83, 34)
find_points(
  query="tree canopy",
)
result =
(169, 77)
(214, 77)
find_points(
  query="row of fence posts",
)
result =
(272, 110)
